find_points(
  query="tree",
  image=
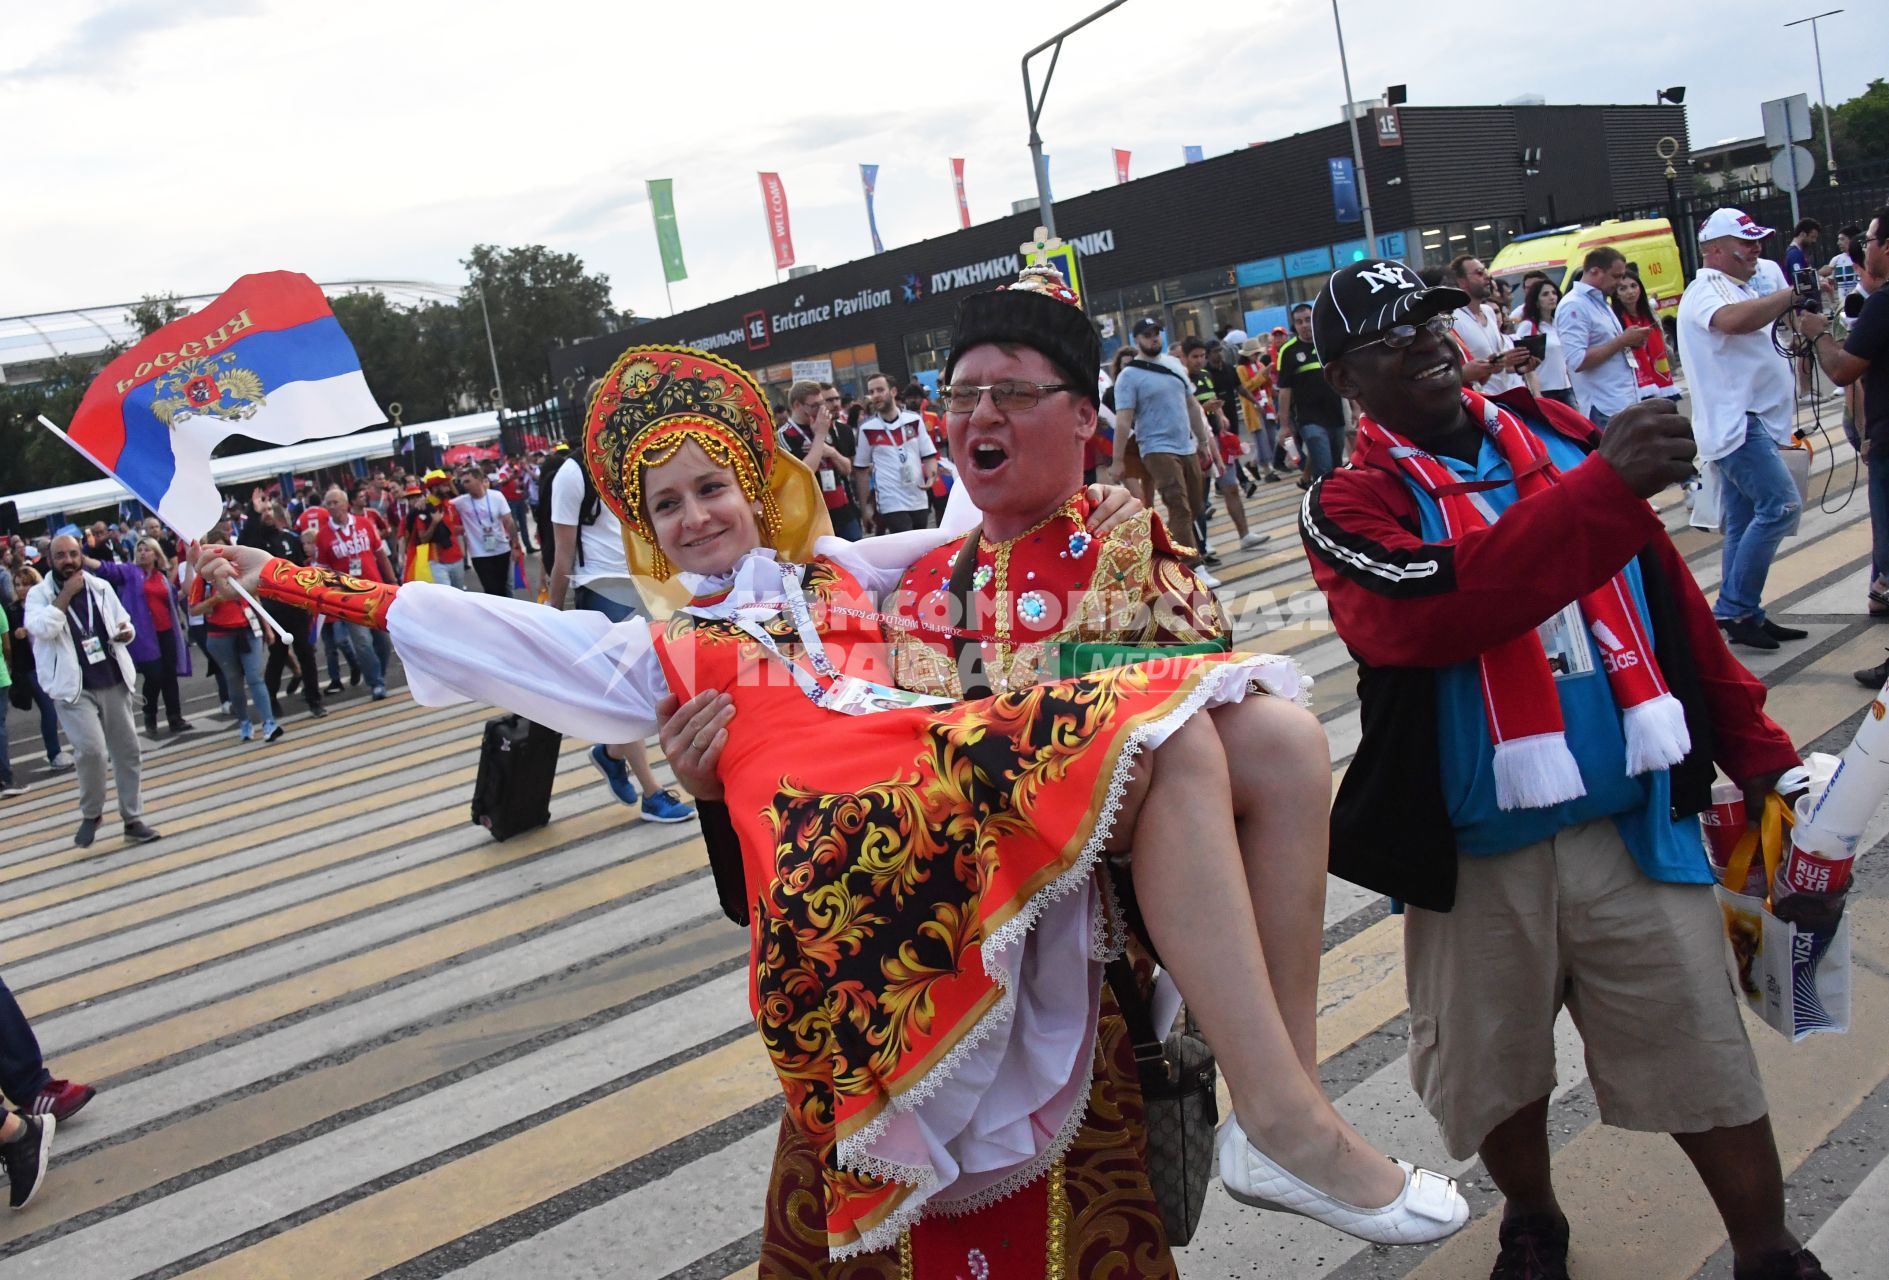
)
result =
(1859, 128)
(152, 312)
(534, 297)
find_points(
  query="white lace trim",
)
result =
(1280, 676)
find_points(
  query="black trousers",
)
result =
(903, 521)
(495, 574)
(295, 622)
(160, 681)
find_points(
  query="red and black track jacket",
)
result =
(1405, 607)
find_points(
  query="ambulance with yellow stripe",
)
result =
(1647, 242)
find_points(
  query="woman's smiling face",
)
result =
(700, 519)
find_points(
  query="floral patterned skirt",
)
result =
(928, 929)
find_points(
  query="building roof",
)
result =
(44, 336)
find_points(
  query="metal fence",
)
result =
(1865, 189)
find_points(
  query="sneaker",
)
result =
(225, 710)
(1778, 631)
(60, 1099)
(1252, 540)
(316, 710)
(12, 788)
(1274, 477)
(87, 832)
(60, 762)
(666, 806)
(274, 734)
(616, 773)
(333, 686)
(244, 731)
(1798, 1264)
(379, 693)
(1207, 580)
(1533, 1248)
(1873, 677)
(25, 1159)
(1748, 632)
(1209, 559)
(137, 830)
(181, 726)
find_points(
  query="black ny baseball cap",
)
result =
(1364, 299)
(1147, 324)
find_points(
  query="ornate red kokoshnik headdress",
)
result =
(653, 400)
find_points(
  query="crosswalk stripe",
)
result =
(1811, 1087)
(1850, 1242)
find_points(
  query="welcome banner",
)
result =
(779, 229)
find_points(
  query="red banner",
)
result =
(1121, 165)
(957, 181)
(460, 454)
(774, 200)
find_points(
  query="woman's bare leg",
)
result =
(1279, 764)
(1192, 889)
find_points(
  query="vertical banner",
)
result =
(662, 206)
(1192, 155)
(1344, 190)
(779, 230)
(869, 178)
(957, 183)
(1121, 166)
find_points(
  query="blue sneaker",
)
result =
(616, 773)
(665, 806)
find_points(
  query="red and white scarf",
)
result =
(1534, 769)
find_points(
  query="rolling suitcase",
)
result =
(518, 762)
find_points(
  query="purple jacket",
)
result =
(128, 581)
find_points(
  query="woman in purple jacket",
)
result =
(148, 590)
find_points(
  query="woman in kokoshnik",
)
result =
(928, 921)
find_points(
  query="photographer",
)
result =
(1743, 409)
(1864, 356)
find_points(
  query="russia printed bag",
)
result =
(518, 761)
(1796, 980)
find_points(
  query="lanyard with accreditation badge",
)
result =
(845, 694)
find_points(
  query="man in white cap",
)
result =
(1743, 408)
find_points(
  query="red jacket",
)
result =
(1406, 607)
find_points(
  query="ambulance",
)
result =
(1647, 243)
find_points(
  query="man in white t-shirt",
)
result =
(1743, 408)
(1492, 362)
(589, 557)
(894, 463)
(491, 534)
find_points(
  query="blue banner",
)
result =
(1192, 155)
(1344, 190)
(1264, 271)
(868, 178)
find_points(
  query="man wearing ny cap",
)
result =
(1543, 694)
(1743, 409)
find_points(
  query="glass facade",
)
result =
(1483, 237)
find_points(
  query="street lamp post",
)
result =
(1033, 103)
(498, 384)
(1357, 147)
(1829, 156)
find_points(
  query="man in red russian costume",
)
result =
(928, 922)
(1043, 591)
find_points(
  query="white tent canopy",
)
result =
(240, 468)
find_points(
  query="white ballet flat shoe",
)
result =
(1427, 1209)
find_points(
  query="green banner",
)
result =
(662, 203)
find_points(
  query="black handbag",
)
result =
(1179, 1106)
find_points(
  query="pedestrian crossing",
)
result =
(339, 1032)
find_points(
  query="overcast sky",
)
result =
(153, 147)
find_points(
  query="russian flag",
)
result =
(267, 360)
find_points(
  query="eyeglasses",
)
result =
(1399, 336)
(1008, 397)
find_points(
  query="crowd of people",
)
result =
(1540, 677)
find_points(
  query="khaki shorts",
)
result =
(1643, 968)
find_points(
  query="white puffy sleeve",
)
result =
(880, 562)
(575, 672)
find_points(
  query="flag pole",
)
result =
(183, 538)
